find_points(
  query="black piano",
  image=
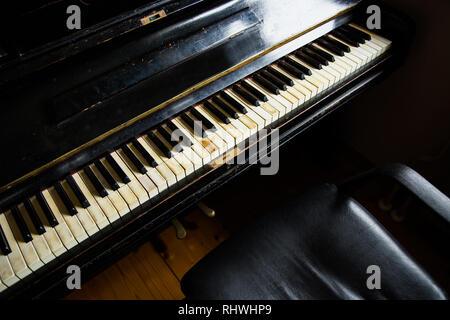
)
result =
(110, 131)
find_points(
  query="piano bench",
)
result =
(321, 244)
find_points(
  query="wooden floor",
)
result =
(154, 270)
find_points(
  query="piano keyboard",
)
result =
(51, 222)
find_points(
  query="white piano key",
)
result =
(94, 209)
(39, 242)
(72, 221)
(277, 105)
(83, 215)
(171, 163)
(13, 263)
(261, 112)
(377, 39)
(353, 50)
(196, 145)
(213, 143)
(63, 229)
(135, 185)
(27, 248)
(254, 117)
(179, 156)
(316, 79)
(7, 274)
(116, 198)
(51, 235)
(144, 180)
(370, 50)
(2, 286)
(337, 75)
(378, 49)
(229, 128)
(132, 199)
(322, 74)
(220, 131)
(243, 129)
(298, 84)
(162, 168)
(343, 62)
(283, 103)
(246, 119)
(105, 204)
(189, 153)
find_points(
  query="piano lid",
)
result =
(66, 105)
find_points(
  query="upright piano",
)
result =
(110, 131)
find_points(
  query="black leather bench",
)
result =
(319, 245)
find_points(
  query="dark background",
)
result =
(406, 118)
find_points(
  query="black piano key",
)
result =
(338, 44)
(219, 114)
(351, 35)
(107, 175)
(286, 80)
(266, 84)
(360, 33)
(307, 59)
(123, 176)
(37, 223)
(226, 108)
(161, 146)
(240, 107)
(343, 37)
(291, 70)
(249, 97)
(134, 160)
(315, 56)
(274, 80)
(330, 47)
(168, 137)
(4, 245)
(258, 94)
(205, 122)
(46, 210)
(97, 184)
(24, 231)
(298, 66)
(147, 156)
(321, 53)
(65, 199)
(76, 190)
(182, 137)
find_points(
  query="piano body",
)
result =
(90, 166)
